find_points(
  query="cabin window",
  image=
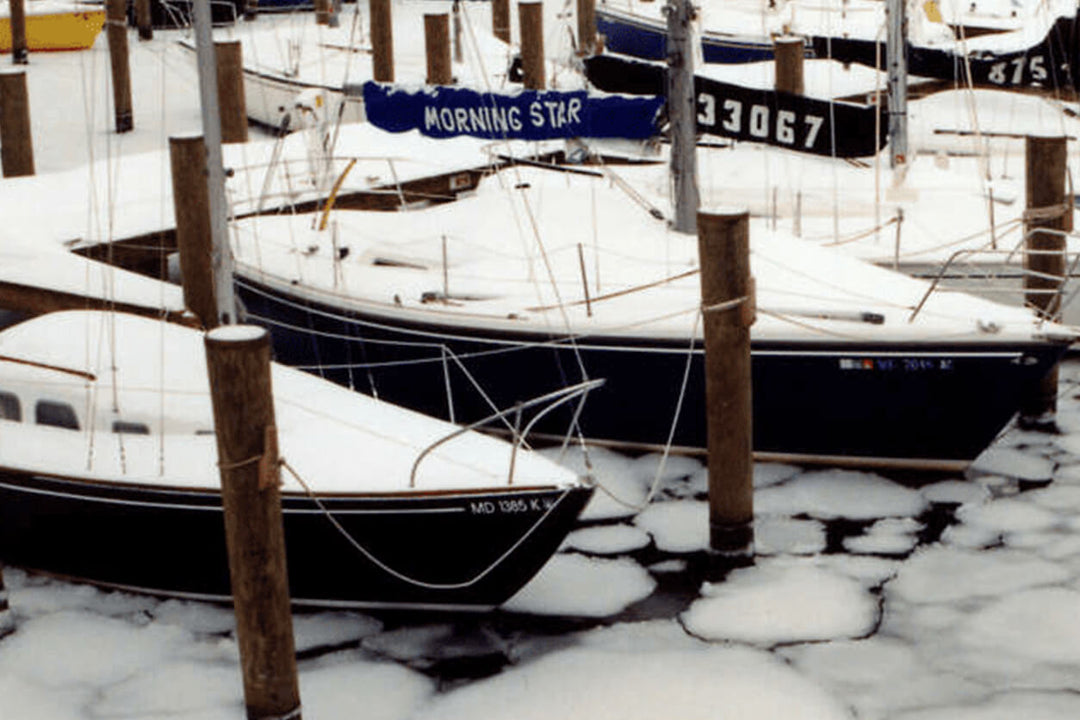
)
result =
(55, 414)
(9, 407)
(130, 428)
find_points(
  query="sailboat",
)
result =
(108, 475)
(545, 278)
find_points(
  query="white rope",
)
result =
(407, 578)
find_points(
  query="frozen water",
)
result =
(766, 474)
(828, 494)
(889, 536)
(1008, 515)
(1013, 463)
(331, 629)
(970, 574)
(1006, 706)
(782, 602)
(787, 536)
(371, 690)
(607, 539)
(955, 491)
(571, 584)
(589, 683)
(678, 526)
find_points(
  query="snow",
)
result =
(828, 494)
(678, 526)
(581, 586)
(1013, 463)
(782, 603)
(607, 539)
(586, 683)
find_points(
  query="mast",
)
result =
(681, 114)
(220, 260)
(896, 65)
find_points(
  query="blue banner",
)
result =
(443, 112)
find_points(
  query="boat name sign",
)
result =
(529, 115)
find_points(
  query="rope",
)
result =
(402, 576)
(1047, 212)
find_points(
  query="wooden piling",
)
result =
(1047, 206)
(191, 204)
(437, 48)
(382, 41)
(230, 88)
(727, 299)
(323, 10)
(500, 19)
(788, 53)
(17, 20)
(143, 20)
(116, 24)
(531, 18)
(586, 27)
(251, 9)
(459, 52)
(16, 143)
(238, 362)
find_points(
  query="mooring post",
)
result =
(238, 362)
(251, 9)
(19, 53)
(437, 49)
(143, 21)
(788, 54)
(382, 41)
(500, 19)
(230, 89)
(323, 10)
(728, 306)
(16, 143)
(116, 24)
(191, 205)
(1044, 256)
(586, 27)
(531, 19)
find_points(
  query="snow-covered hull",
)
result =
(439, 550)
(904, 403)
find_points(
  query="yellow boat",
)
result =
(54, 25)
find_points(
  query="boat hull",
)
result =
(448, 550)
(903, 404)
(644, 39)
(74, 30)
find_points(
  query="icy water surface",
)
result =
(954, 599)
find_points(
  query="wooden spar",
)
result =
(230, 90)
(323, 10)
(382, 41)
(19, 52)
(35, 300)
(437, 49)
(727, 299)
(251, 9)
(191, 204)
(16, 142)
(500, 19)
(788, 55)
(896, 67)
(116, 24)
(531, 18)
(143, 20)
(682, 112)
(459, 52)
(586, 27)
(7, 622)
(238, 362)
(220, 257)
(1044, 253)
